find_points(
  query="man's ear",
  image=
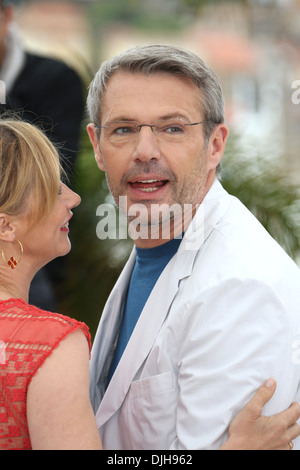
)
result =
(7, 228)
(91, 130)
(217, 144)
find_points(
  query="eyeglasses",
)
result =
(169, 131)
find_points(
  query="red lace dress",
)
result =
(28, 335)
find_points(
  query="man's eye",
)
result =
(123, 130)
(173, 129)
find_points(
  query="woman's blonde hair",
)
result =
(29, 168)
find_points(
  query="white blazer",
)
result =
(223, 317)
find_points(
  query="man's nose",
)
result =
(146, 145)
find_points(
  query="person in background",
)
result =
(208, 304)
(47, 92)
(44, 360)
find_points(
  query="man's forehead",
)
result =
(131, 82)
(133, 96)
(123, 83)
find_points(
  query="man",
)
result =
(48, 93)
(196, 323)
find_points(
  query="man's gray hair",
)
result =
(160, 58)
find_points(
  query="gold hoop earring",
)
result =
(12, 262)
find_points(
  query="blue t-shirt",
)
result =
(149, 264)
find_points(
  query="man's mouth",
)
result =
(148, 186)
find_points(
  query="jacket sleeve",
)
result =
(234, 338)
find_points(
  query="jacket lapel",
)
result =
(103, 345)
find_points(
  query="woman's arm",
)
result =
(59, 413)
(251, 431)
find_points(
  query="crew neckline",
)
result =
(160, 250)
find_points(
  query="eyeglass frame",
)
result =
(152, 126)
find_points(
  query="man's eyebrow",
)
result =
(165, 117)
(120, 119)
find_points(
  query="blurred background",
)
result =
(252, 45)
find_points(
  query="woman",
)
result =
(44, 361)
(38, 397)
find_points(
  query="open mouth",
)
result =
(148, 186)
(65, 227)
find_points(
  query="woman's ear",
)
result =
(7, 228)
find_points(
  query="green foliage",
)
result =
(265, 187)
(140, 14)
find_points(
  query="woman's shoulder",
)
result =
(29, 323)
